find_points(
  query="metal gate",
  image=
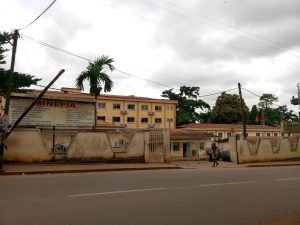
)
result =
(159, 146)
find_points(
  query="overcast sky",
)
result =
(163, 44)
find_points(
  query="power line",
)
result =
(251, 92)
(130, 74)
(218, 93)
(38, 16)
(259, 96)
(87, 59)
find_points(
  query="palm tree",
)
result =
(96, 75)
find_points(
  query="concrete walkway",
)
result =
(52, 168)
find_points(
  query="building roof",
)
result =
(212, 126)
(72, 93)
(182, 134)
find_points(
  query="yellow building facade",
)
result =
(136, 112)
(113, 110)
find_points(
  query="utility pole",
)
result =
(242, 111)
(298, 86)
(15, 37)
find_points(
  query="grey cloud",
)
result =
(270, 36)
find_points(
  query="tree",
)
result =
(282, 113)
(266, 101)
(189, 105)
(4, 39)
(20, 80)
(274, 116)
(96, 75)
(228, 110)
(253, 114)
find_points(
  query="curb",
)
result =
(85, 170)
(274, 165)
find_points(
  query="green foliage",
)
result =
(96, 75)
(276, 115)
(252, 116)
(4, 39)
(20, 80)
(228, 109)
(267, 100)
(189, 105)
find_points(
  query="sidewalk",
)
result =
(224, 164)
(53, 168)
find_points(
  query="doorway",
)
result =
(186, 150)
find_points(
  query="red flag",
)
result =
(259, 116)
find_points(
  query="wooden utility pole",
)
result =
(242, 111)
(15, 37)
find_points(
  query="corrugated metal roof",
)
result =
(182, 134)
(212, 126)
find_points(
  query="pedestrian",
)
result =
(214, 154)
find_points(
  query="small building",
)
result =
(189, 144)
(223, 131)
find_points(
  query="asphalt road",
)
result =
(179, 197)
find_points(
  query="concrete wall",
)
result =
(30, 145)
(26, 145)
(90, 145)
(264, 149)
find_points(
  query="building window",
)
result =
(257, 134)
(201, 145)
(157, 108)
(157, 120)
(268, 134)
(144, 107)
(101, 118)
(116, 119)
(130, 119)
(101, 105)
(228, 134)
(275, 134)
(131, 107)
(116, 106)
(220, 135)
(175, 147)
(144, 120)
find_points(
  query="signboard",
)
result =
(51, 112)
(290, 127)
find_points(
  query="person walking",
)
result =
(214, 154)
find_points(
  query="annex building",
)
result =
(223, 131)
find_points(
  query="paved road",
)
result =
(178, 197)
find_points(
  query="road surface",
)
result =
(246, 196)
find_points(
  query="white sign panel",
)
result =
(51, 112)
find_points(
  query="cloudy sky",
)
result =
(163, 44)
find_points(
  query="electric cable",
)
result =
(37, 16)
